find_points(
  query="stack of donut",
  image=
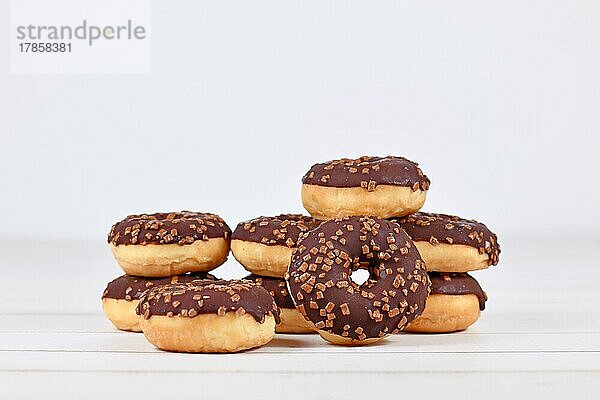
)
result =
(451, 247)
(394, 189)
(168, 294)
(364, 215)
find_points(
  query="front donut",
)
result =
(165, 244)
(208, 316)
(342, 311)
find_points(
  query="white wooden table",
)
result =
(539, 336)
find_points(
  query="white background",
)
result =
(498, 101)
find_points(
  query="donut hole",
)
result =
(360, 276)
(363, 273)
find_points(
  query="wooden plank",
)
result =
(309, 385)
(299, 362)
(398, 344)
(491, 322)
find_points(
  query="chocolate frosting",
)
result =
(276, 287)
(282, 230)
(127, 287)
(367, 172)
(456, 284)
(208, 297)
(319, 278)
(181, 228)
(450, 229)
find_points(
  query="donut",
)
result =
(264, 245)
(208, 316)
(166, 244)
(343, 312)
(453, 305)
(121, 296)
(291, 319)
(449, 243)
(378, 186)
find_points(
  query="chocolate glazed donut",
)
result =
(456, 285)
(264, 245)
(291, 319)
(343, 312)
(453, 305)
(165, 244)
(122, 295)
(449, 243)
(379, 186)
(208, 316)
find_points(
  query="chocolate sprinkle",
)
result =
(282, 230)
(181, 228)
(276, 287)
(456, 284)
(323, 291)
(127, 287)
(367, 172)
(450, 229)
(208, 297)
